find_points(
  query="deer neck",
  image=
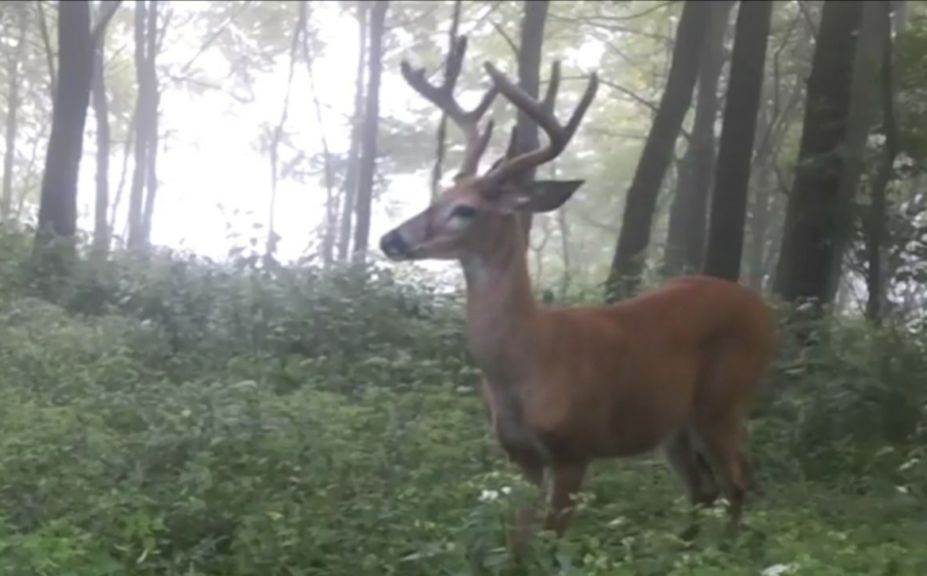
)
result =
(501, 310)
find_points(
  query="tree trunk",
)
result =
(153, 101)
(136, 239)
(732, 175)
(875, 239)
(49, 53)
(529, 79)
(350, 178)
(276, 138)
(58, 204)
(120, 187)
(28, 172)
(144, 176)
(12, 113)
(564, 225)
(101, 111)
(627, 263)
(899, 15)
(369, 137)
(760, 224)
(331, 201)
(808, 251)
(866, 63)
(685, 241)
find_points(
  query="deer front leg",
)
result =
(533, 470)
(567, 479)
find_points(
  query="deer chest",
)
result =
(510, 425)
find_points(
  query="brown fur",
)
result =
(677, 368)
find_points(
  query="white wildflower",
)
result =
(489, 496)
(875, 140)
(617, 522)
(778, 569)
(909, 464)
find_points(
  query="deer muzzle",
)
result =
(394, 246)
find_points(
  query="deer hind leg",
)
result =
(693, 469)
(721, 444)
(696, 474)
(749, 472)
(566, 481)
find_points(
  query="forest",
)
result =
(209, 366)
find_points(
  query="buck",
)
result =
(676, 368)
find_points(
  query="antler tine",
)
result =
(455, 64)
(442, 96)
(472, 154)
(509, 151)
(553, 87)
(543, 114)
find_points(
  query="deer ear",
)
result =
(537, 196)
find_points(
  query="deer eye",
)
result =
(463, 212)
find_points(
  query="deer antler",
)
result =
(443, 97)
(543, 114)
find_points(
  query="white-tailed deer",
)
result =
(676, 368)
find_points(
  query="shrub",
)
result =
(179, 416)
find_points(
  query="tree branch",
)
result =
(505, 36)
(106, 14)
(214, 36)
(163, 32)
(612, 27)
(640, 100)
(49, 53)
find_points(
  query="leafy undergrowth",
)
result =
(190, 423)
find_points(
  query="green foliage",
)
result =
(177, 416)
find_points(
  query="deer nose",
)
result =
(393, 245)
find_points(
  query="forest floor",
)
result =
(339, 432)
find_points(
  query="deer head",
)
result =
(469, 217)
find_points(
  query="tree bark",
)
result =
(875, 239)
(331, 201)
(759, 230)
(120, 187)
(144, 176)
(866, 62)
(529, 79)
(154, 101)
(778, 111)
(808, 251)
(685, 241)
(627, 263)
(564, 225)
(49, 53)
(137, 192)
(101, 112)
(58, 204)
(33, 155)
(369, 138)
(732, 175)
(277, 137)
(899, 15)
(350, 178)
(12, 113)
